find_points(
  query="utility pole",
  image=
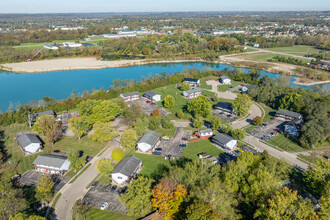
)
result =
(30, 120)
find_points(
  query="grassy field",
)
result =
(267, 56)
(224, 88)
(98, 214)
(300, 50)
(208, 93)
(285, 143)
(169, 132)
(24, 163)
(195, 148)
(204, 85)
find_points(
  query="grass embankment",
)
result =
(193, 149)
(24, 163)
(97, 214)
(285, 143)
(295, 50)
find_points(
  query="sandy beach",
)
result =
(310, 82)
(76, 64)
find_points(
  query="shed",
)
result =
(225, 141)
(148, 141)
(126, 169)
(30, 143)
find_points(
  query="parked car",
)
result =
(241, 150)
(156, 153)
(148, 101)
(184, 139)
(104, 205)
(277, 130)
(230, 116)
(113, 188)
(242, 85)
(94, 184)
(159, 149)
(182, 144)
(166, 137)
(237, 152)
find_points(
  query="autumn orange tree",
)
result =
(156, 113)
(167, 197)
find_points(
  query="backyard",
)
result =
(285, 143)
(193, 149)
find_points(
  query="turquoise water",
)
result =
(24, 87)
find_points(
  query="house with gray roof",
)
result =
(148, 141)
(53, 164)
(192, 93)
(287, 115)
(152, 96)
(49, 112)
(30, 143)
(192, 82)
(126, 170)
(225, 106)
(130, 96)
(225, 80)
(205, 132)
(225, 141)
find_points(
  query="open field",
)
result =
(267, 56)
(285, 143)
(300, 50)
(98, 214)
(195, 148)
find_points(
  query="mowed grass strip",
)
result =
(193, 149)
(97, 214)
(285, 143)
(152, 164)
(300, 50)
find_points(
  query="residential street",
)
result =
(76, 190)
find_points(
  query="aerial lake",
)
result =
(20, 88)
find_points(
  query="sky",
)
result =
(64, 6)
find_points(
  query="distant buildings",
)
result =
(221, 32)
(53, 164)
(116, 36)
(30, 143)
(39, 114)
(193, 93)
(126, 170)
(130, 96)
(64, 45)
(152, 96)
(148, 141)
(225, 141)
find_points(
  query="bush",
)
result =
(117, 154)
(257, 120)
(179, 114)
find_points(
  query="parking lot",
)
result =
(224, 115)
(232, 155)
(100, 193)
(147, 108)
(172, 146)
(267, 130)
(31, 178)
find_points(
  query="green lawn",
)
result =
(208, 93)
(285, 143)
(195, 148)
(24, 163)
(204, 85)
(169, 132)
(300, 50)
(263, 56)
(104, 180)
(180, 101)
(98, 214)
(224, 88)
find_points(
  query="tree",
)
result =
(105, 111)
(200, 106)
(242, 104)
(257, 120)
(22, 216)
(141, 125)
(117, 154)
(167, 197)
(80, 125)
(200, 210)
(103, 132)
(156, 113)
(198, 122)
(128, 140)
(324, 211)
(166, 123)
(286, 205)
(238, 134)
(184, 86)
(76, 161)
(137, 197)
(179, 114)
(154, 123)
(104, 166)
(169, 101)
(215, 121)
(48, 126)
(45, 185)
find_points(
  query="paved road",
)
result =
(76, 190)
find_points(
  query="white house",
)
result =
(225, 80)
(72, 44)
(126, 170)
(205, 133)
(30, 143)
(115, 36)
(192, 82)
(54, 164)
(193, 93)
(205, 157)
(225, 141)
(148, 141)
(52, 46)
(152, 96)
(130, 96)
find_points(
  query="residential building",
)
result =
(126, 170)
(206, 158)
(30, 143)
(53, 164)
(192, 82)
(224, 106)
(49, 112)
(205, 133)
(225, 80)
(130, 96)
(193, 93)
(152, 96)
(148, 141)
(225, 141)
(287, 115)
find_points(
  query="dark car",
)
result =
(159, 149)
(182, 144)
(94, 184)
(156, 153)
(184, 139)
(114, 188)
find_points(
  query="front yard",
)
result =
(193, 149)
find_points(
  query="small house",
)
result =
(192, 82)
(148, 141)
(287, 115)
(49, 112)
(206, 133)
(225, 80)
(30, 143)
(126, 170)
(225, 107)
(225, 141)
(206, 158)
(152, 96)
(192, 93)
(53, 164)
(130, 96)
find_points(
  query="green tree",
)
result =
(80, 125)
(179, 114)
(200, 106)
(141, 125)
(117, 154)
(137, 197)
(128, 140)
(154, 123)
(45, 185)
(184, 86)
(257, 120)
(103, 132)
(76, 161)
(324, 211)
(169, 101)
(198, 122)
(104, 111)
(215, 121)
(104, 166)
(200, 210)
(242, 104)
(48, 126)
(166, 123)
(238, 134)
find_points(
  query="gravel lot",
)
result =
(147, 108)
(269, 128)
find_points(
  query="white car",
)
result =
(104, 205)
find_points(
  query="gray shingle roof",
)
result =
(223, 138)
(127, 166)
(27, 139)
(205, 131)
(50, 160)
(224, 77)
(128, 94)
(150, 138)
(150, 94)
(288, 113)
(190, 80)
(193, 91)
(49, 112)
